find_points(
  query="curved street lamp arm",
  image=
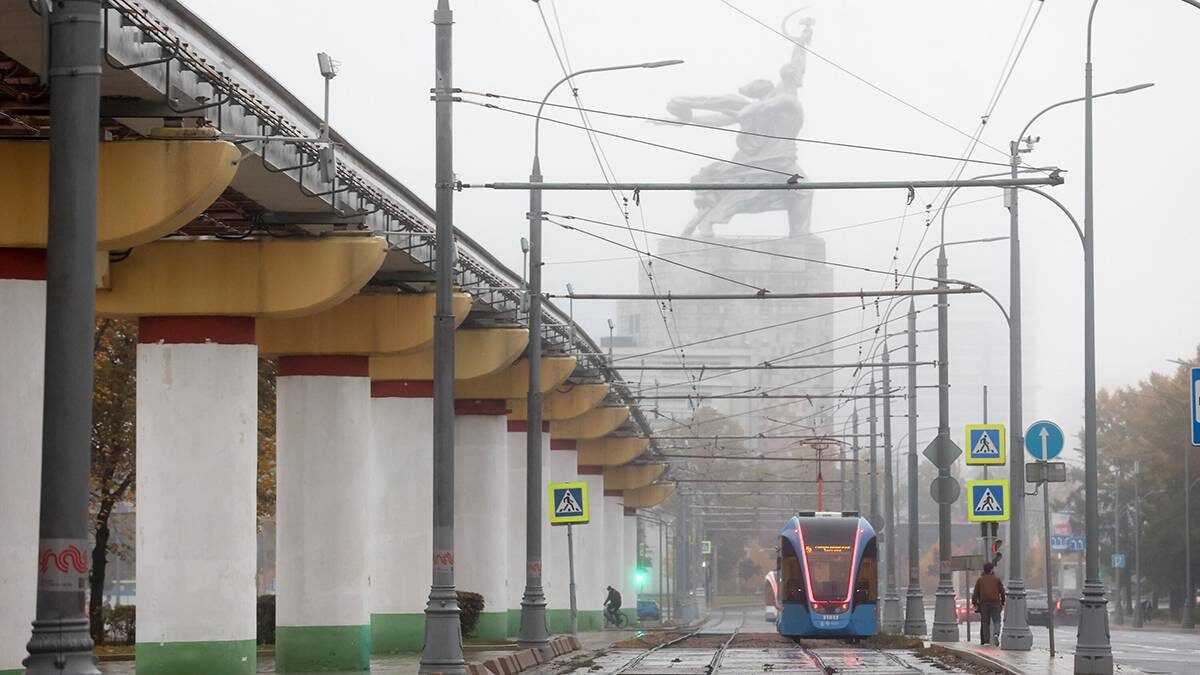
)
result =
(1078, 230)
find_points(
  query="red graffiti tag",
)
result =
(443, 559)
(63, 560)
(535, 568)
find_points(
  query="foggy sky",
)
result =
(942, 57)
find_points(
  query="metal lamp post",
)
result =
(60, 641)
(1093, 651)
(443, 652)
(534, 632)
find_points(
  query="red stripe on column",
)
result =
(562, 443)
(630, 511)
(402, 389)
(23, 263)
(523, 425)
(480, 406)
(222, 330)
(614, 493)
(590, 470)
(324, 365)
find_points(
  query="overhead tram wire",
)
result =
(786, 256)
(682, 123)
(601, 158)
(840, 228)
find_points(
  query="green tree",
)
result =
(114, 458)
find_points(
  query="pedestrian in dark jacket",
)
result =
(989, 598)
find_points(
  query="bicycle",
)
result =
(615, 618)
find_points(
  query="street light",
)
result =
(1093, 650)
(533, 633)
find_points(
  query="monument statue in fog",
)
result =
(772, 116)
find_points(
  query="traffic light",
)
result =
(640, 575)
(996, 554)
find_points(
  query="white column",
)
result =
(481, 509)
(630, 534)
(556, 573)
(400, 512)
(591, 553)
(517, 452)
(23, 336)
(616, 574)
(324, 431)
(197, 419)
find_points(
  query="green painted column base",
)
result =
(630, 615)
(558, 621)
(491, 626)
(14, 671)
(322, 648)
(232, 657)
(592, 619)
(396, 633)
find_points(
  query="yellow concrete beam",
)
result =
(389, 323)
(562, 403)
(592, 424)
(477, 353)
(147, 189)
(646, 497)
(271, 277)
(513, 382)
(611, 450)
(631, 476)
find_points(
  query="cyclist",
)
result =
(612, 607)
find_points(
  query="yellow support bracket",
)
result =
(388, 323)
(649, 496)
(270, 277)
(513, 382)
(611, 450)
(477, 353)
(564, 402)
(147, 189)
(632, 476)
(592, 424)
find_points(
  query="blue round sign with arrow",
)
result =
(1044, 440)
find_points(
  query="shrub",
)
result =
(470, 606)
(266, 619)
(123, 620)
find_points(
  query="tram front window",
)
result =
(791, 576)
(829, 552)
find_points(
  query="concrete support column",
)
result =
(630, 548)
(22, 361)
(557, 573)
(324, 432)
(591, 553)
(616, 574)
(516, 517)
(400, 486)
(197, 419)
(481, 509)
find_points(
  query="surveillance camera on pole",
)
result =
(326, 159)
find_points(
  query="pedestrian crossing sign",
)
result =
(986, 444)
(987, 500)
(568, 503)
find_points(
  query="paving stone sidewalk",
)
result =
(1032, 662)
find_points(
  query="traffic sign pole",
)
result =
(571, 571)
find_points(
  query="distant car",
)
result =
(647, 610)
(965, 612)
(1037, 608)
(1066, 610)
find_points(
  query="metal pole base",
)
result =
(945, 621)
(914, 612)
(61, 646)
(892, 621)
(1093, 652)
(443, 651)
(1189, 611)
(534, 632)
(1016, 634)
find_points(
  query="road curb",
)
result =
(975, 658)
